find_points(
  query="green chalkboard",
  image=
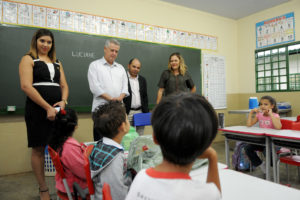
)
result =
(76, 51)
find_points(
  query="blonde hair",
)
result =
(182, 66)
(33, 47)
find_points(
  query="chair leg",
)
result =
(287, 172)
(298, 173)
(277, 171)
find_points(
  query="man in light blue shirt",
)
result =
(107, 79)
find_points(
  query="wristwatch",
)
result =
(66, 102)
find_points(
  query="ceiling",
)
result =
(234, 9)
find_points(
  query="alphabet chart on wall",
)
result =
(39, 16)
(277, 30)
(214, 80)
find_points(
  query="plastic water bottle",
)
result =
(253, 102)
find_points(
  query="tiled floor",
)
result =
(23, 186)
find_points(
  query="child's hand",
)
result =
(268, 112)
(254, 110)
(209, 153)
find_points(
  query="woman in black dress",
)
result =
(43, 81)
(175, 78)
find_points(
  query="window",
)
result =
(278, 68)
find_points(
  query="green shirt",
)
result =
(175, 83)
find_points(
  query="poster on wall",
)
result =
(0, 10)
(214, 83)
(39, 16)
(54, 18)
(24, 14)
(10, 12)
(275, 31)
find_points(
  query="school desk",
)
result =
(252, 135)
(282, 112)
(289, 118)
(246, 111)
(203, 170)
(239, 186)
(283, 138)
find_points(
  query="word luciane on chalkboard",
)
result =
(81, 54)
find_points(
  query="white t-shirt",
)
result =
(153, 185)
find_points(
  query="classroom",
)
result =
(236, 43)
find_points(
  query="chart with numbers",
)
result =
(214, 80)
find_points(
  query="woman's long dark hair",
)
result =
(65, 123)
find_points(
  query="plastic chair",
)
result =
(289, 124)
(142, 119)
(288, 159)
(106, 192)
(87, 152)
(60, 170)
(89, 192)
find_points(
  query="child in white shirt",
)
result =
(184, 125)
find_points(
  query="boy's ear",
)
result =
(154, 139)
(123, 127)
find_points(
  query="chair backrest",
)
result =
(88, 150)
(106, 192)
(59, 169)
(142, 119)
(56, 162)
(289, 124)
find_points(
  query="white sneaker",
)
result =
(263, 167)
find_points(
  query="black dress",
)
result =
(46, 79)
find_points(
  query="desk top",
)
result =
(274, 133)
(289, 118)
(236, 185)
(248, 111)
(202, 171)
(287, 134)
(244, 130)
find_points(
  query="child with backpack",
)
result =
(184, 126)
(107, 159)
(267, 117)
(69, 149)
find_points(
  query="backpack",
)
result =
(143, 153)
(240, 160)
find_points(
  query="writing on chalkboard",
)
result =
(82, 54)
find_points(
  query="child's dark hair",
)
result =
(109, 117)
(272, 102)
(184, 126)
(65, 123)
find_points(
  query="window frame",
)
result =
(272, 69)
